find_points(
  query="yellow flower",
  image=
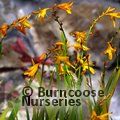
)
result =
(78, 46)
(80, 36)
(21, 24)
(108, 12)
(63, 59)
(94, 116)
(111, 12)
(41, 13)
(32, 70)
(24, 22)
(59, 44)
(86, 65)
(57, 47)
(114, 21)
(60, 59)
(66, 7)
(61, 69)
(110, 51)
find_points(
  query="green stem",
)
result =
(91, 86)
(58, 76)
(80, 69)
(42, 71)
(103, 77)
(117, 57)
(93, 24)
(0, 49)
(56, 18)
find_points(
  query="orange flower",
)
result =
(61, 69)
(21, 29)
(57, 47)
(113, 14)
(110, 51)
(86, 65)
(41, 58)
(24, 22)
(80, 36)
(94, 116)
(41, 13)
(59, 44)
(3, 30)
(63, 59)
(66, 7)
(78, 46)
(32, 70)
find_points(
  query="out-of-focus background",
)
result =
(41, 36)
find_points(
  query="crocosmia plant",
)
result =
(59, 84)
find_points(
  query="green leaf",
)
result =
(39, 114)
(73, 113)
(27, 113)
(62, 113)
(3, 116)
(38, 76)
(110, 88)
(112, 83)
(0, 49)
(52, 112)
(15, 109)
(80, 112)
(64, 39)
